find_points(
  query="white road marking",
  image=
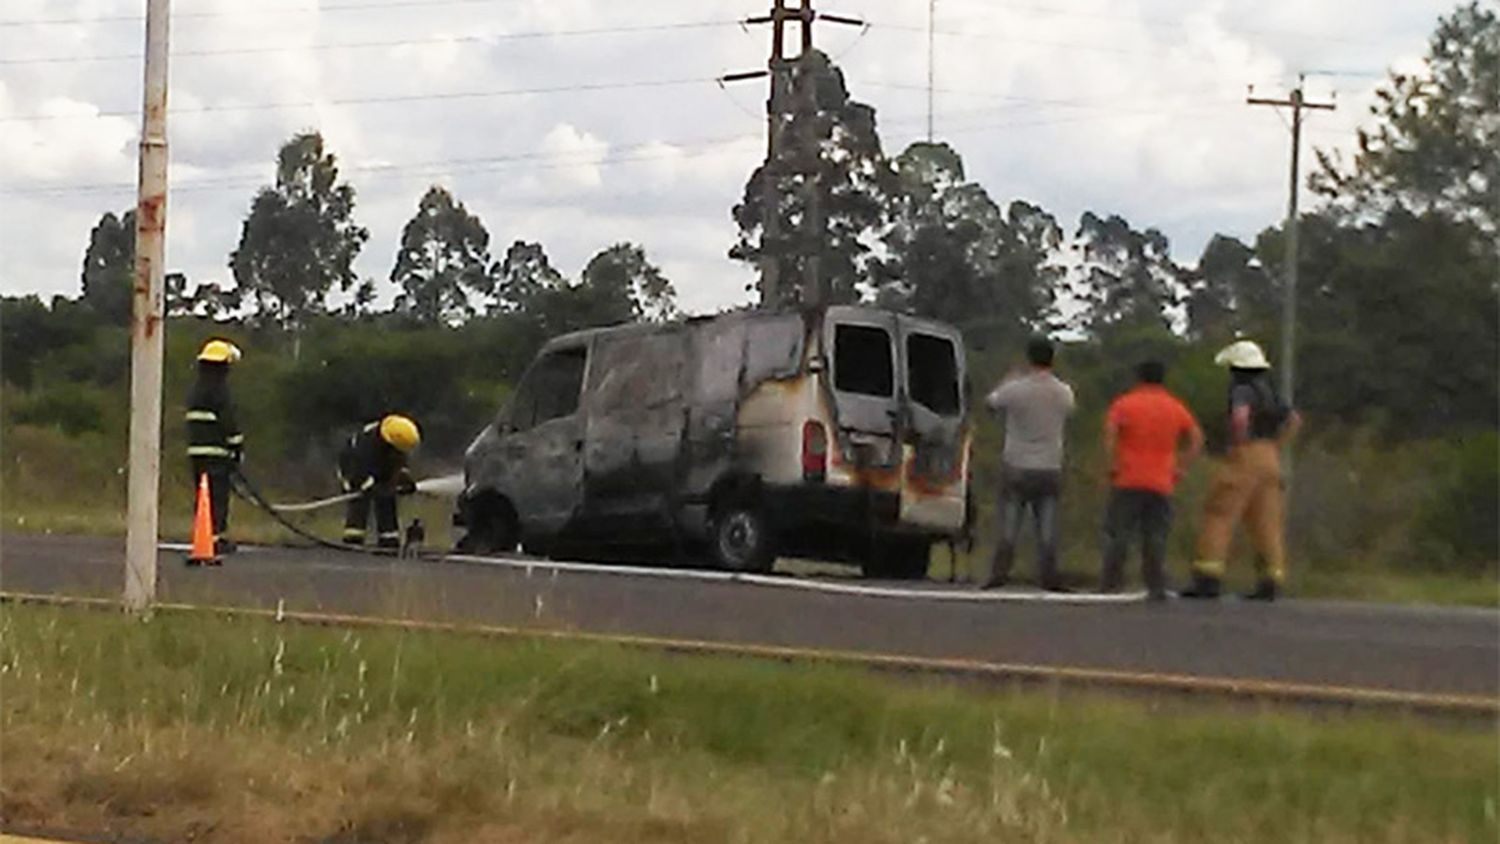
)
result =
(914, 592)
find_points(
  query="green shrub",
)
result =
(1460, 519)
(70, 407)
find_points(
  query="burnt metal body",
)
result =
(841, 430)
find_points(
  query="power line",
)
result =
(363, 45)
(1165, 23)
(249, 11)
(629, 153)
(625, 153)
(393, 98)
(439, 166)
(1101, 102)
(993, 35)
(440, 96)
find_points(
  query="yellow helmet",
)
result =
(219, 351)
(400, 432)
(1243, 354)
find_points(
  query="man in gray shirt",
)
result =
(1036, 405)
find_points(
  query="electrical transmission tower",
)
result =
(787, 110)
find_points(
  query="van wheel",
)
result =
(901, 558)
(493, 528)
(741, 540)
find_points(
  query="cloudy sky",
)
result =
(581, 123)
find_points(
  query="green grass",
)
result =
(255, 731)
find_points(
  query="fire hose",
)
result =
(251, 494)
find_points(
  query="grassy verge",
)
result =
(216, 730)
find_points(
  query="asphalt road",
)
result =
(1432, 650)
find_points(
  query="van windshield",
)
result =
(862, 361)
(932, 373)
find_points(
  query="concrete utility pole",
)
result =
(779, 113)
(931, 62)
(1289, 293)
(146, 324)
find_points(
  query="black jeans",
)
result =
(218, 471)
(1133, 511)
(1021, 490)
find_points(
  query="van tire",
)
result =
(493, 527)
(741, 539)
(899, 558)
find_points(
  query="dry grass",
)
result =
(199, 728)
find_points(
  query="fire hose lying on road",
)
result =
(446, 485)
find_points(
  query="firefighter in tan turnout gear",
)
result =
(1247, 484)
(215, 442)
(373, 463)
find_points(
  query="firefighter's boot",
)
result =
(1265, 590)
(1204, 586)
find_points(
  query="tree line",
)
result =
(1399, 337)
(1398, 317)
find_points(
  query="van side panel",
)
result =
(635, 406)
(717, 361)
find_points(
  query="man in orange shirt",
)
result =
(1143, 429)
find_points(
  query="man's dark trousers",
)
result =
(1131, 512)
(1021, 490)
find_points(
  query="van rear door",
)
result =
(865, 381)
(933, 373)
(933, 486)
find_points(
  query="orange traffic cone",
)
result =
(202, 552)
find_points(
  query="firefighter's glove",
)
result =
(405, 485)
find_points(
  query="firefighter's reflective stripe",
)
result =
(354, 533)
(201, 416)
(235, 439)
(369, 482)
(208, 451)
(390, 534)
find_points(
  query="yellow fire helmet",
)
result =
(219, 351)
(400, 432)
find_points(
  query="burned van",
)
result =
(836, 433)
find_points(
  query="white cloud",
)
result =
(1116, 106)
(575, 156)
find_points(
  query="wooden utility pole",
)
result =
(1289, 294)
(781, 107)
(146, 324)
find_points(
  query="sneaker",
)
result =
(1203, 587)
(1264, 591)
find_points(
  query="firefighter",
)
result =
(215, 443)
(1247, 483)
(373, 463)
